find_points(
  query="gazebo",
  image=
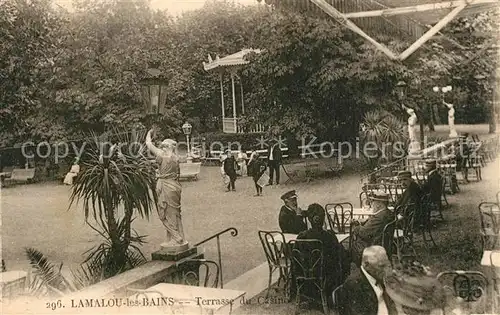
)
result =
(231, 64)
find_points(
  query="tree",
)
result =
(117, 182)
(316, 78)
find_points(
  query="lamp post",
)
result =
(186, 128)
(401, 91)
(451, 110)
(154, 93)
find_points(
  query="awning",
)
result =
(235, 59)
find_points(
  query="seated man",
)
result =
(291, 218)
(434, 183)
(336, 262)
(371, 233)
(412, 192)
(363, 292)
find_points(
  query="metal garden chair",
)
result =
(278, 257)
(307, 267)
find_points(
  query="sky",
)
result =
(175, 7)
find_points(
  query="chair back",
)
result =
(395, 191)
(489, 219)
(274, 245)
(470, 286)
(342, 216)
(207, 274)
(307, 260)
(427, 205)
(389, 242)
(408, 212)
(364, 201)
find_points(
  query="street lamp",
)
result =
(154, 92)
(186, 128)
(401, 90)
(451, 109)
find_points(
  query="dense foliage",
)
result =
(66, 73)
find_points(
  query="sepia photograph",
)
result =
(250, 157)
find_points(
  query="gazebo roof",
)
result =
(236, 59)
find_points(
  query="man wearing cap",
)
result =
(363, 293)
(433, 185)
(274, 161)
(371, 233)
(412, 192)
(291, 218)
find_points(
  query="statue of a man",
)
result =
(451, 119)
(412, 122)
(169, 192)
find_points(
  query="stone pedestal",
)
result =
(166, 254)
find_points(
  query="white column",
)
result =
(242, 98)
(222, 98)
(234, 101)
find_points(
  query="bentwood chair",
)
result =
(489, 224)
(278, 258)
(207, 274)
(425, 226)
(470, 286)
(342, 216)
(307, 268)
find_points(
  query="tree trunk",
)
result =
(422, 135)
(492, 119)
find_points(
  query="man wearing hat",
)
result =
(291, 218)
(274, 158)
(371, 233)
(434, 183)
(412, 192)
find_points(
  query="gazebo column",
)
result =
(234, 102)
(242, 98)
(222, 98)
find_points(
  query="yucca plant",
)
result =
(117, 182)
(383, 129)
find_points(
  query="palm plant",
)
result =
(384, 130)
(117, 181)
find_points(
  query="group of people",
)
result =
(367, 239)
(255, 167)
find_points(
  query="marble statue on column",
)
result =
(169, 192)
(412, 135)
(451, 119)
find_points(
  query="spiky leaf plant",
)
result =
(116, 183)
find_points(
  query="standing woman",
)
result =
(168, 189)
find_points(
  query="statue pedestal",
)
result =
(174, 253)
(453, 134)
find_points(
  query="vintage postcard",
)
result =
(249, 157)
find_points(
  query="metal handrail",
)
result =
(234, 232)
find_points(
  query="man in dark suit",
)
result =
(412, 192)
(371, 233)
(291, 217)
(274, 158)
(434, 183)
(363, 293)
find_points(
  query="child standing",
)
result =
(258, 168)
